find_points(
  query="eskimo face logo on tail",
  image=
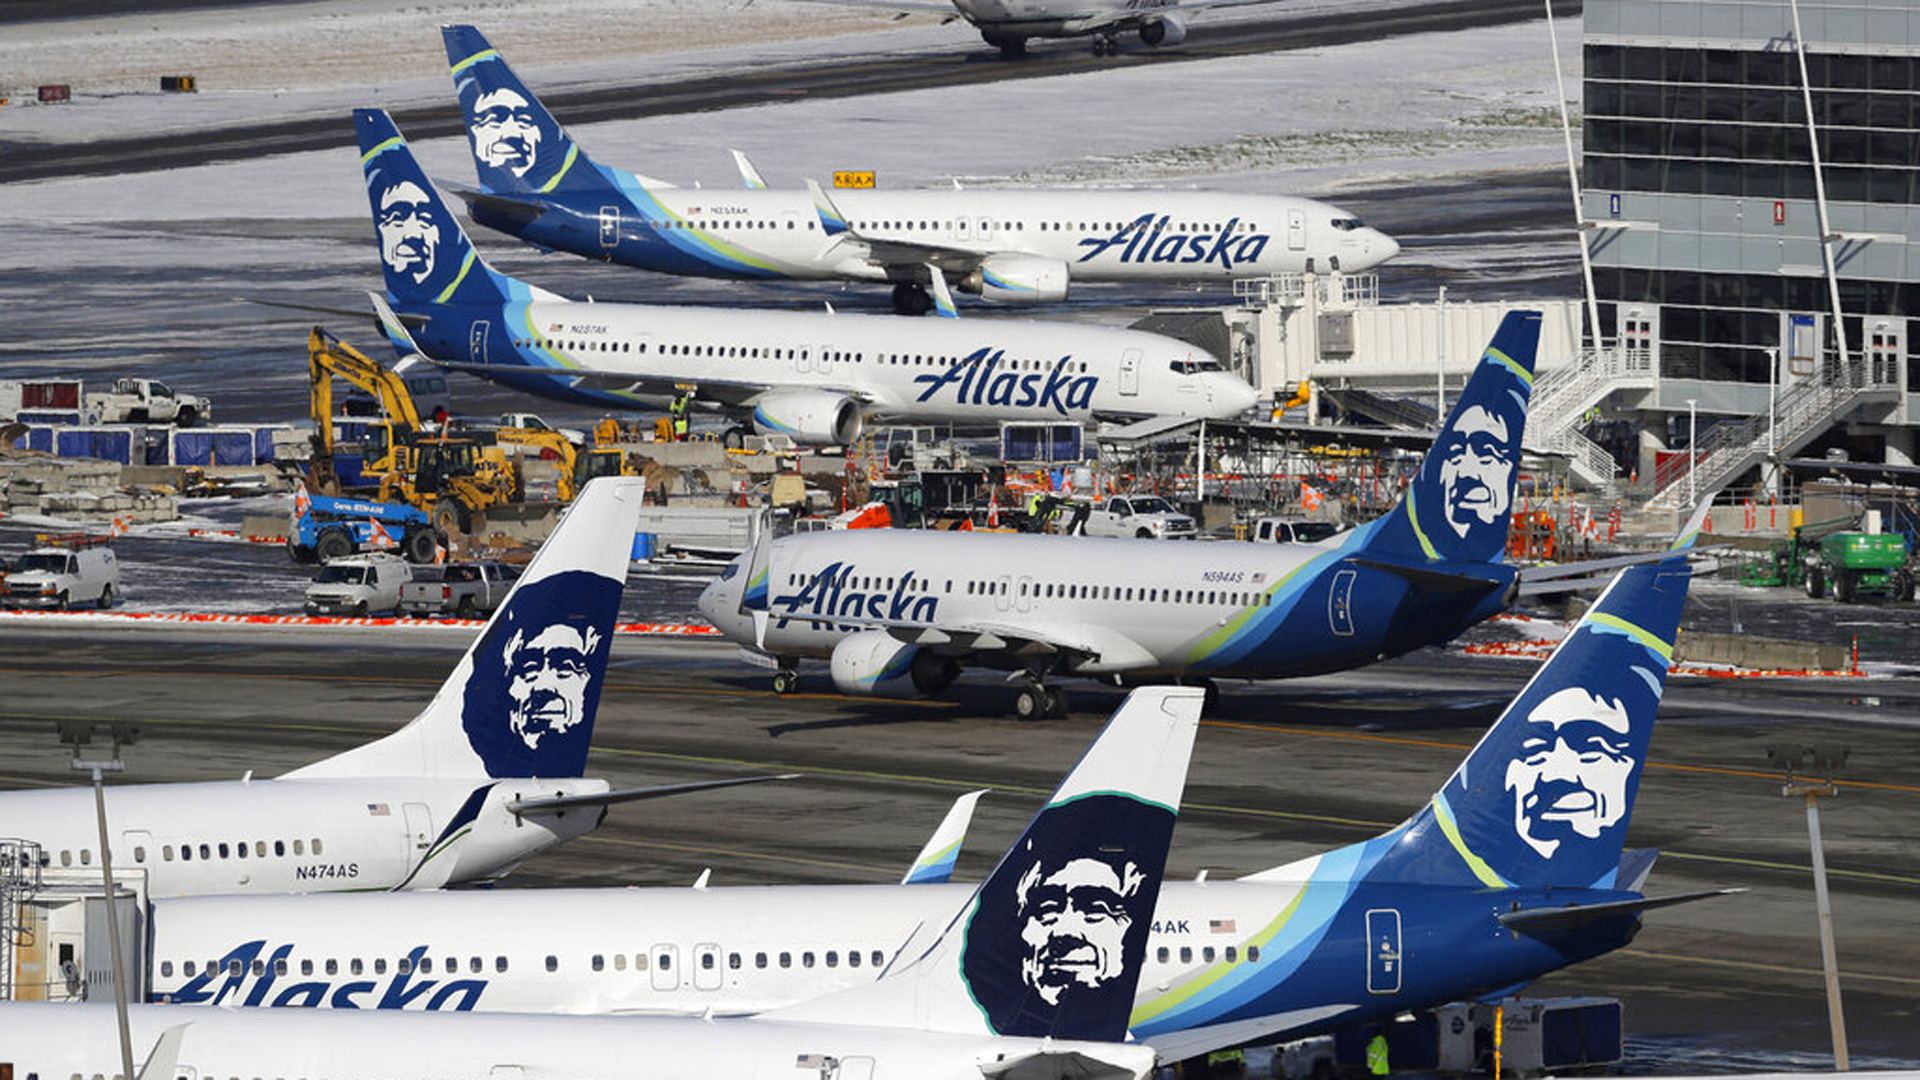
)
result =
(409, 230)
(1476, 470)
(506, 133)
(548, 676)
(536, 675)
(1569, 781)
(1055, 942)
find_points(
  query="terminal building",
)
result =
(1724, 231)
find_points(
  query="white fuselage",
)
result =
(641, 951)
(280, 836)
(300, 1044)
(1113, 236)
(929, 370)
(1141, 605)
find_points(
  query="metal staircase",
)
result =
(1731, 448)
(20, 862)
(1562, 397)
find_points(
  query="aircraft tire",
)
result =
(1032, 703)
(785, 682)
(1057, 707)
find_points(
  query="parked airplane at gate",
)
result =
(1013, 246)
(1031, 976)
(899, 614)
(1007, 25)
(811, 376)
(488, 774)
(1513, 869)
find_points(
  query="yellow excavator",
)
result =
(456, 480)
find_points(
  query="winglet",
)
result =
(749, 175)
(1690, 532)
(1052, 943)
(164, 1061)
(397, 331)
(832, 221)
(934, 865)
(943, 304)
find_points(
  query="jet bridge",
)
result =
(56, 946)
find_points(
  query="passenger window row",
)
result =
(451, 965)
(1230, 954)
(240, 849)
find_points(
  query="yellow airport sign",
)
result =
(860, 179)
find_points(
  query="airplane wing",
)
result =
(1438, 581)
(522, 807)
(891, 253)
(1193, 1042)
(1574, 916)
(734, 393)
(1594, 573)
(1087, 648)
(1120, 1061)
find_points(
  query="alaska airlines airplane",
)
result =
(1008, 24)
(1031, 976)
(813, 377)
(1010, 246)
(488, 774)
(1514, 868)
(901, 613)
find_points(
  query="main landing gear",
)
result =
(911, 298)
(1038, 701)
(1105, 45)
(786, 680)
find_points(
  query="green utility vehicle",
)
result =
(1858, 563)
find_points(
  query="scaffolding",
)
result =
(20, 878)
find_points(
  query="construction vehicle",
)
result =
(325, 528)
(574, 465)
(1859, 563)
(454, 480)
(329, 358)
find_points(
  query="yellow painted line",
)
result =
(1754, 965)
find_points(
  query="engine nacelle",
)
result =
(1019, 279)
(1165, 30)
(873, 663)
(809, 417)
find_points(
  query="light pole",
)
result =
(1693, 454)
(1828, 758)
(78, 733)
(1773, 397)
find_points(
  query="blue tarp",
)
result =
(213, 446)
(109, 444)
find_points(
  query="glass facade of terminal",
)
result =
(1697, 167)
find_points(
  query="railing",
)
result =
(1290, 290)
(1562, 396)
(20, 877)
(1730, 447)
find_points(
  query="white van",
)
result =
(359, 585)
(62, 572)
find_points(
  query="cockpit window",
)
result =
(1191, 366)
(1348, 224)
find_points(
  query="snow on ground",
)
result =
(1305, 121)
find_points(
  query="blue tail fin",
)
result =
(522, 701)
(519, 148)
(426, 254)
(1459, 503)
(1545, 797)
(1052, 943)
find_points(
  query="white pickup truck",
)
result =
(1144, 516)
(149, 401)
(61, 573)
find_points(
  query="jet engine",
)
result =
(1165, 30)
(810, 417)
(873, 663)
(1019, 279)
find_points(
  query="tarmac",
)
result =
(1282, 770)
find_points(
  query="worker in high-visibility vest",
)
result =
(677, 408)
(1377, 1054)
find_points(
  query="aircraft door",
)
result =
(1023, 591)
(1384, 966)
(983, 229)
(960, 228)
(666, 967)
(1340, 603)
(824, 362)
(707, 972)
(136, 846)
(1296, 230)
(419, 826)
(1130, 372)
(479, 341)
(1003, 592)
(609, 227)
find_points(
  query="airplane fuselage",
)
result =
(1306, 950)
(1139, 607)
(1095, 236)
(946, 371)
(280, 836)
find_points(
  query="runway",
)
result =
(1281, 771)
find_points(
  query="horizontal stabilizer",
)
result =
(498, 210)
(1433, 581)
(1187, 1043)
(1116, 1062)
(1574, 916)
(349, 313)
(608, 798)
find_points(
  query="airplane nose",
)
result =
(1383, 246)
(1232, 395)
